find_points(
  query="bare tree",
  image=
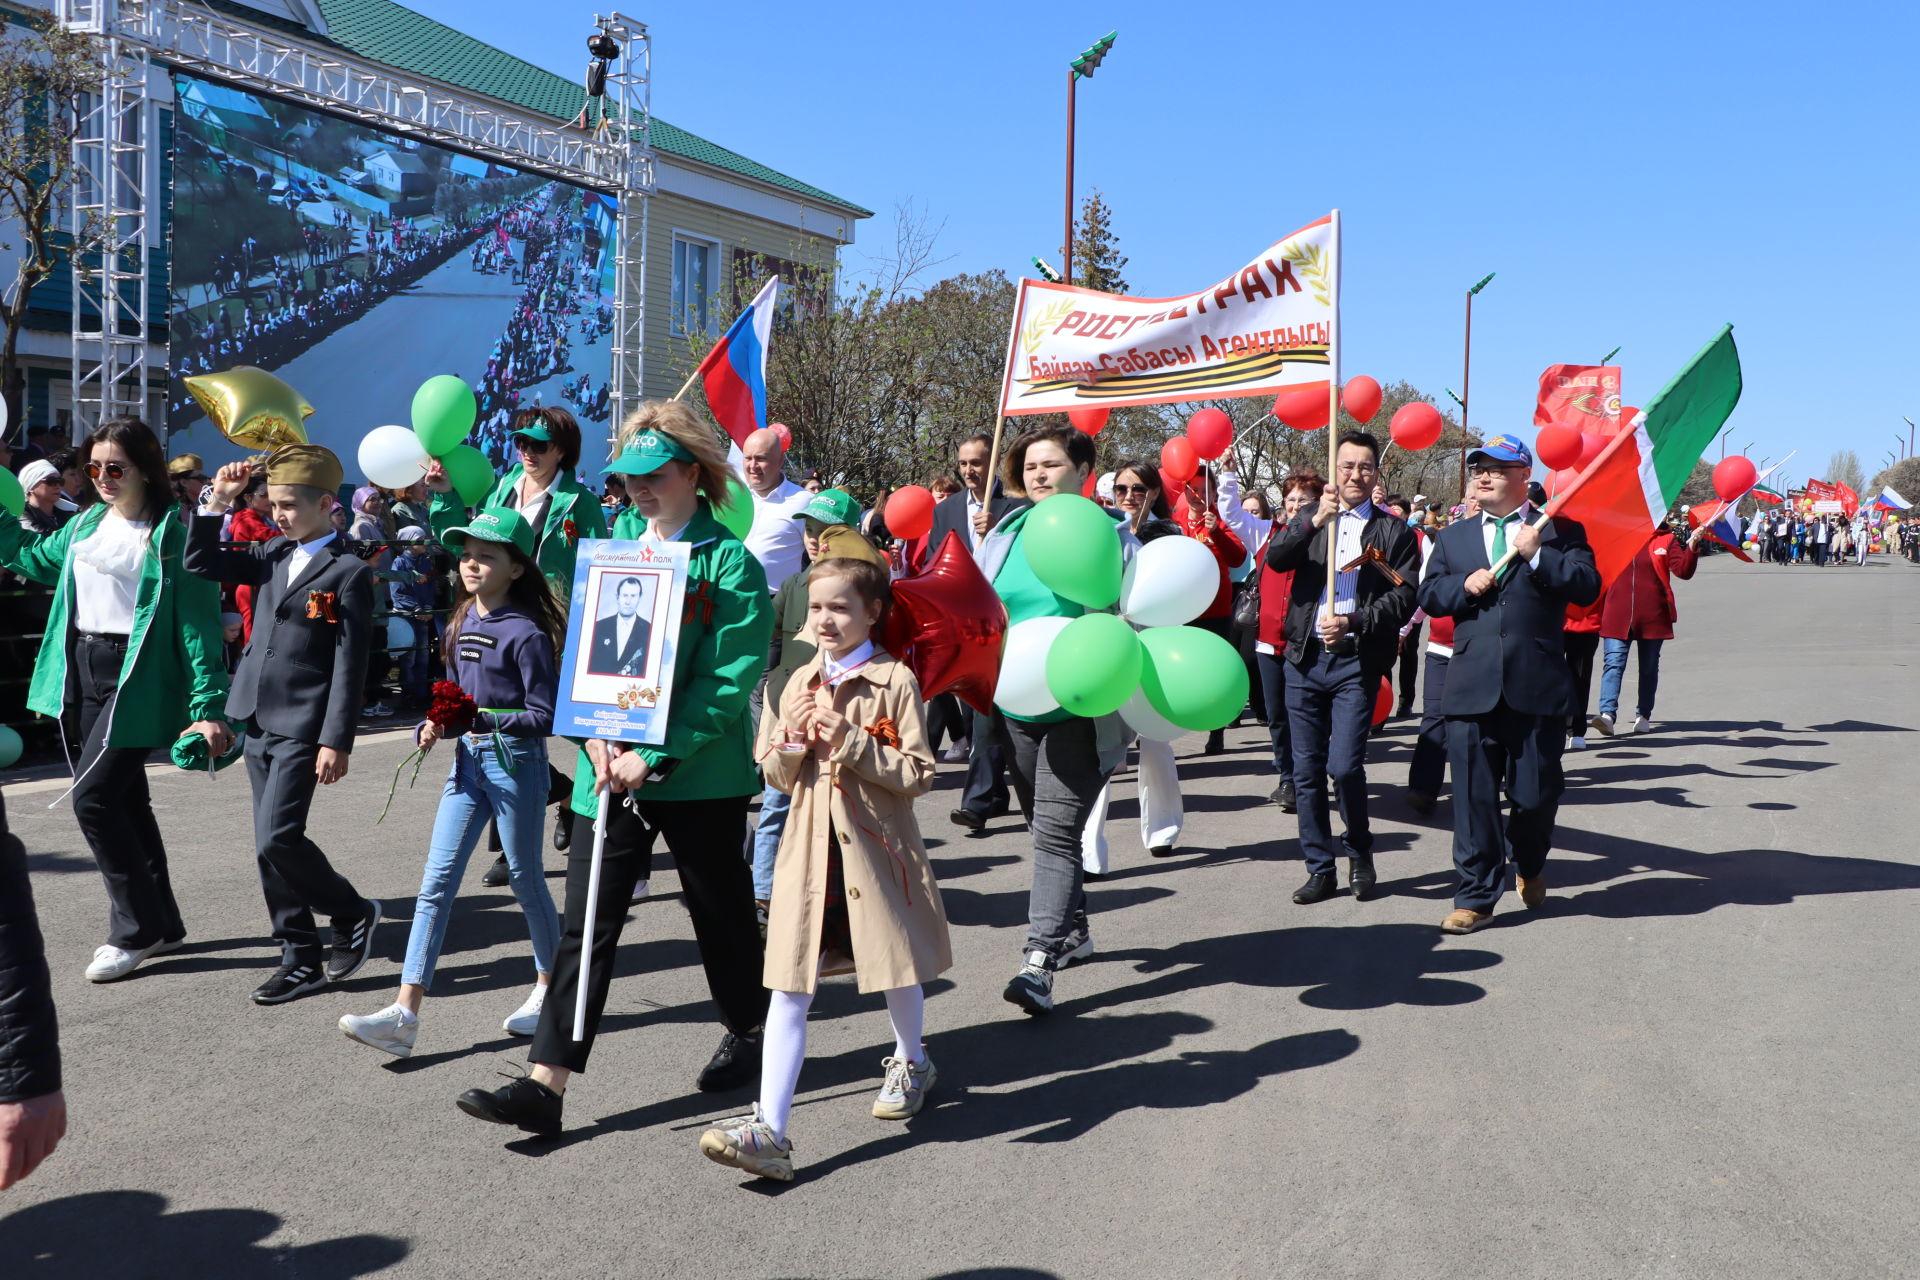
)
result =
(47, 74)
(1844, 468)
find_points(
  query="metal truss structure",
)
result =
(115, 197)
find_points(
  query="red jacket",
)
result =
(1584, 619)
(1227, 549)
(1639, 605)
(248, 525)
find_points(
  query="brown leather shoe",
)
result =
(1461, 920)
(1532, 892)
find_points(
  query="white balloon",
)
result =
(1145, 721)
(1022, 690)
(1168, 583)
(392, 457)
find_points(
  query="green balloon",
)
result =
(1192, 677)
(1074, 549)
(443, 413)
(471, 473)
(11, 746)
(13, 499)
(1094, 664)
(736, 512)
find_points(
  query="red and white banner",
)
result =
(1585, 397)
(1267, 326)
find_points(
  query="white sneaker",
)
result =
(957, 752)
(1643, 725)
(640, 891)
(1577, 743)
(392, 1030)
(525, 1020)
(1602, 724)
(110, 962)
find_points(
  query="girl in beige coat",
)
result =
(852, 889)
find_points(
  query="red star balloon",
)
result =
(947, 624)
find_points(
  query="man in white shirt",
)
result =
(774, 538)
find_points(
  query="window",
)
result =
(693, 267)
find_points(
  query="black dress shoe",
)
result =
(291, 981)
(1283, 796)
(1320, 886)
(1162, 851)
(524, 1103)
(735, 1063)
(969, 819)
(1420, 802)
(1216, 743)
(1360, 878)
(352, 944)
(498, 874)
(562, 829)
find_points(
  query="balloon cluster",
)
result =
(443, 412)
(1209, 435)
(1165, 678)
(1566, 451)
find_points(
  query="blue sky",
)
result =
(1637, 174)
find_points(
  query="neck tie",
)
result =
(1500, 534)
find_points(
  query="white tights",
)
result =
(785, 1045)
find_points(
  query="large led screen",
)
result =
(356, 264)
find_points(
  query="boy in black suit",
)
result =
(313, 613)
(1509, 690)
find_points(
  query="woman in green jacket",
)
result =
(131, 660)
(562, 511)
(692, 790)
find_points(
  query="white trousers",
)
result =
(1161, 812)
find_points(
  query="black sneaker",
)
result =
(524, 1103)
(497, 874)
(562, 829)
(734, 1064)
(291, 981)
(353, 945)
(1032, 988)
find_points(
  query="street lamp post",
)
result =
(1083, 65)
(1466, 381)
(1909, 421)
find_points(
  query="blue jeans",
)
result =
(1614, 669)
(480, 788)
(1273, 693)
(1330, 710)
(774, 804)
(417, 664)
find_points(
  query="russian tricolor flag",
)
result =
(735, 371)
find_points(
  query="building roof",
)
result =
(392, 34)
(400, 160)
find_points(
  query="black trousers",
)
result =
(1330, 710)
(1485, 751)
(704, 837)
(295, 876)
(1273, 691)
(947, 720)
(1581, 646)
(1406, 679)
(986, 768)
(114, 808)
(1428, 772)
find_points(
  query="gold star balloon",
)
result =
(251, 407)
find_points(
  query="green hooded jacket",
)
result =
(726, 629)
(554, 548)
(175, 672)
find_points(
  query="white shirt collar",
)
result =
(312, 545)
(834, 670)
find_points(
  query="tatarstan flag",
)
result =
(1624, 493)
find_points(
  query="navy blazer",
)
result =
(1380, 607)
(950, 516)
(1509, 643)
(318, 663)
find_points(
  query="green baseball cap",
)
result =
(647, 452)
(536, 431)
(830, 506)
(495, 524)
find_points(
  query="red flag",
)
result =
(1585, 397)
(1849, 500)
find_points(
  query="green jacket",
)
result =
(554, 549)
(725, 631)
(175, 670)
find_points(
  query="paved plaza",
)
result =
(1697, 1060)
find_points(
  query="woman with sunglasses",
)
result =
(562, 511)
(131, 660)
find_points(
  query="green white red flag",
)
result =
(1626, 492)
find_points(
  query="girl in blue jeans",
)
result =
(500, 643)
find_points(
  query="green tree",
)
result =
(1097, 260)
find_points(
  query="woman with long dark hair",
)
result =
(131, 660)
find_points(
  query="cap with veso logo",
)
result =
(830, 506)
(1503, 449)
(495, 524)
(647, 452)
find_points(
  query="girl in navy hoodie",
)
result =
(501, 637)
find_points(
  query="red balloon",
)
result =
(1089, 419)
(1360, 398)
(1732, 477)
(1561, 480)
(1091, 489)
(1302, 408)
(1416, 426)
(947, 624)
(784, 432)
(909, 512)
(1383, 701)
(1211, 432)
(1557, 447)
(1591, 443)
(1178, 461)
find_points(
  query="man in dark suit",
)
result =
(972, 513)
(1509, 690)
(298, 689)
(1337, 657)
(620, 641)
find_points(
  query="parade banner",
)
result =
(1265, 327)
(623, 625)
(1585, 397)
(1821, 491)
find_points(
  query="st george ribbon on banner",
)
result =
(1265, 327)
(1583, 396)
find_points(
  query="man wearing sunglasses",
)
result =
(1508, 689)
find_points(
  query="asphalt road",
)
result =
(1698, 1060)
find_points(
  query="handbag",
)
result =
(1246, 596)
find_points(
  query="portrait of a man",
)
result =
(620, 639)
